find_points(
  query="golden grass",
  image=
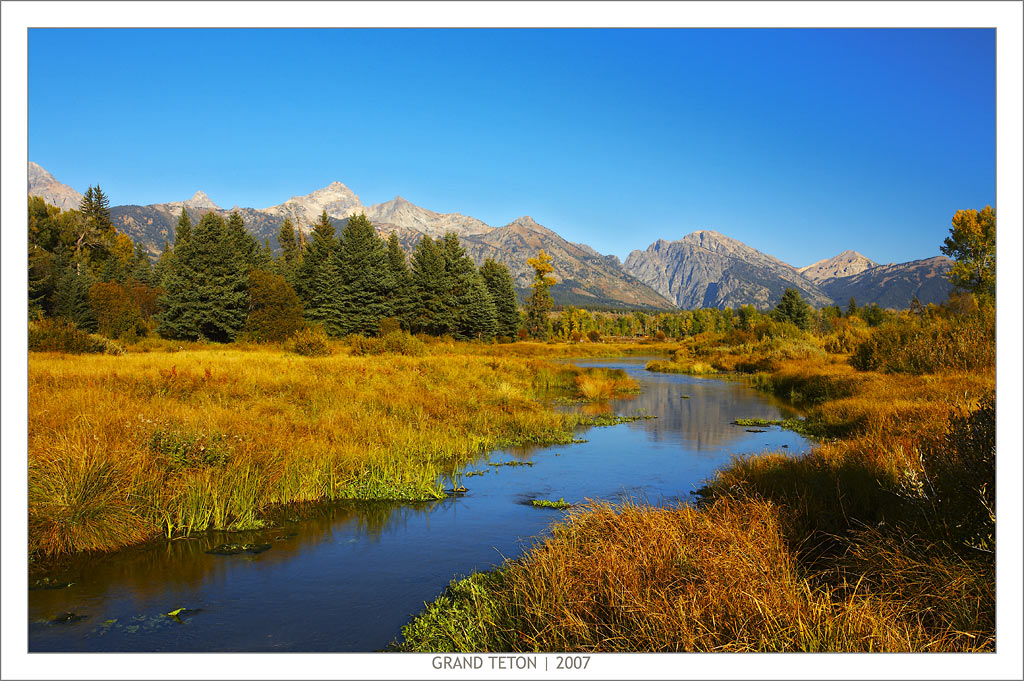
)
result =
(847, 548)
(628, 578)
(122, 449)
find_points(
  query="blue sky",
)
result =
(801, 143)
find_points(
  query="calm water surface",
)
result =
(347, 577)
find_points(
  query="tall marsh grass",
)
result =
(879, 539)
(122, 449)
(629, 578)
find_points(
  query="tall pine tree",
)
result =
(206, 284)
(366, 281)
(401, 293)
(318, 282)
(472, 307)
(288, 261)
(243, 242)
(184, 228)
(71, 296)
(431, 310)
(503, 292)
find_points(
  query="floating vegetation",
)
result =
(457, 491)
(471, 474)
(510, 463)
(795, 425)
(545, 503)
(602, 420)
(684, 397)
(674, 367)
(177, 614)
(285, 537)
(756, 430)
(48, 583)
(235, 549)
(67, 618)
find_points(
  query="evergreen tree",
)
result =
(431, 308)
(851, 308)
(184, 229)
(366, 281)
(478, 314)
(206, 286)
(503, 292)
(71, 296)
(793, 308)
(401, 278)
(40, 281)
(264, 256)
(162, 265)
(142, 269)
(243, 242)
(471, 304)
(540, 304)
(318, 281)
(288, 261)
(95, 207)
(91, 227)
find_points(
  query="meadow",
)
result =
(169, 438)
(882, 538)
(879, 539)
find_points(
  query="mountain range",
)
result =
(703, 269)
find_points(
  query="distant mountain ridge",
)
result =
(708, 269)
(894, 285)
(702, 269)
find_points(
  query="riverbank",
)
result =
(880, 539)
(168, 441)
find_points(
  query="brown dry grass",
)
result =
(122, 449)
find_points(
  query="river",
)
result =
(346, 577)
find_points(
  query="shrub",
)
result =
(907, 344)
(389, 325)
(275, 311)
(575, 336)
(61, 335)
(117, 314)
(310, 342)
(660, 336)
(961, 470)
(396, 342)
(594, 335)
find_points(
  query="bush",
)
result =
(844, 338)
(961, 470)
(117, 314)
(275, 312)
(660, 336)
(594, 335)
(310, 342)
(389, 325)
(396, 342)
(907, 344)
(61, 335)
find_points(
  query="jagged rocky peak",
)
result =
(42, 183)
(404, 213)
(846, 264)
(526, 222)
(201, 200)
(338, 200)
